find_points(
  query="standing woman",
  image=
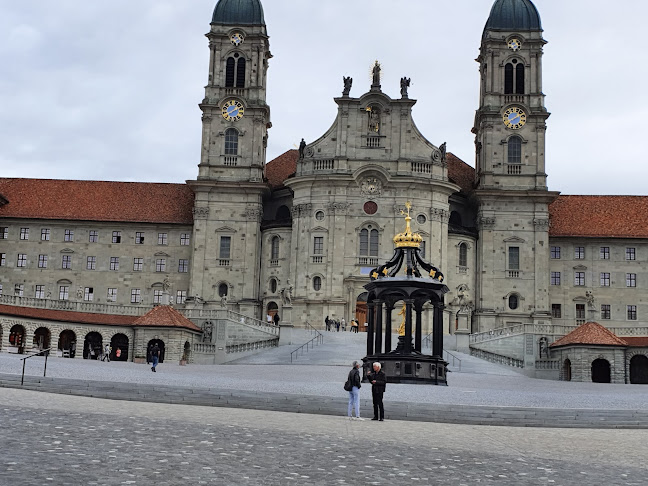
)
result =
(354, 394)
(378, 385)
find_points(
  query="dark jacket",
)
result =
(354, 377)
(381, 381)
(155, 351)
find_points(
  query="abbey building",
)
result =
(298, 236)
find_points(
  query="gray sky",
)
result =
(109, 89)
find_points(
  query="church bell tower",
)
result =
(511, 183)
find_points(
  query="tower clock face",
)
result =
(514, 118)
(233, 110)
(514, 44)
(237, 38)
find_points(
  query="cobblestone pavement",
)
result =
(61, 440)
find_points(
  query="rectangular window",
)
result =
(136, 296)
(318, 245)
(114, 263)
(40, 292)
(556, 311)
(19, 290)
(185, 239)
(0, 289)
(631, 254)
(157, 296)
(605, 253)
(94, 236)
(64, 292)
(606, 311)
(605, 279)
(631, 279)
(181, 296)
(3, 259)
(160, 265)
(183, 266)
(139, 238)
(4, 232)
(116, 237)
(163, 238)
(45, 234)
(555, 253)
(88, 294)
(112, 295)
(69, 235)
(91, 263)
(555, 278)
(66, 262)
(42, 261)
(138, 264)
(579, 253)
(22, 260)
(632, 312)
(225, 245)
(580, 311)
(514, 258)
(24, 233)
(579, 279)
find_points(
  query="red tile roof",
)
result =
(67, 316)
(97, 201)
(165, 316)
(637, 342)
(281, 168)
(599, 216)
(590, 333)
(460, 173)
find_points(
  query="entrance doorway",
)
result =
(119, 345)
(566, 371)
(92, 346)
(42, 338)
(271, 311)
(17, 338)
(601, 371)
(639, 370)
(160, 345)
(361, 311)
(67, 343)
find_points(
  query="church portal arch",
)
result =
(601, 371)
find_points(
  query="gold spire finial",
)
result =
(408, 239)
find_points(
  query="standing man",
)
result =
(378, 385)
(354, 393)
(276, 319)
(328, 323)
(155, 356)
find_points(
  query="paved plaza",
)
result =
(63, 440)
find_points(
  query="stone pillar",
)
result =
(286, 326)
(388, 328)
(4, 345)
(437, 333)
(408, 327)
(418, 340)
(378, 326)
(370, 328)
(462, 332)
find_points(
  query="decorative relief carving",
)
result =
(439, 215)
(399, 209)
(485, 223)
(206, 118)
(201, 212)
(301, 210)
(338, 208)
(253, 213)
(371, 186)
(309, 152)
(541, 223)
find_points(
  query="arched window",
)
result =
(317, 283)
(235, 71)
(515, 150)
(519, 79)
(273, 285)
(231, 141)
(463, 255)
(514, 77)
(369, 242)
(514, 302)
(283, 213)
(508, 79)
(223, 290)
(274, 248)
(455, 219)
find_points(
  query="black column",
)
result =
(408, 327)
(437, 330)
(388, 328)
(419, 329)
(378, 326)
(370, 329)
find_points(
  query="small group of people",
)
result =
(335, 324)
(378, 386)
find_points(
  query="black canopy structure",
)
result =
(406, 282)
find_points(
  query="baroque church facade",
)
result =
(305, 230)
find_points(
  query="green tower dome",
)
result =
(514, 15)
(238, 12)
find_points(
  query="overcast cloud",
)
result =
(109, 89)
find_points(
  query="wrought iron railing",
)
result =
(44, 352)
(317, 340)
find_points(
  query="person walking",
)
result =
(354, 394)
(337, 325)
(343, 324)
(106, 353)
(328, 323)
(378, 385)
(155, 356)
(276, 319)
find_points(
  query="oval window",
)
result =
(317, 283)
(319, 215)
(421, 219)
(273, 285)
(513, 302)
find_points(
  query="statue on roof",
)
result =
(405, 84)
(302, 147)
(348, 82)
(376, 75)
(443, 148)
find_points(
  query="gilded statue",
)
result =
(401, 328)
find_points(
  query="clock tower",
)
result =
(511, 183)
(230, 187)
